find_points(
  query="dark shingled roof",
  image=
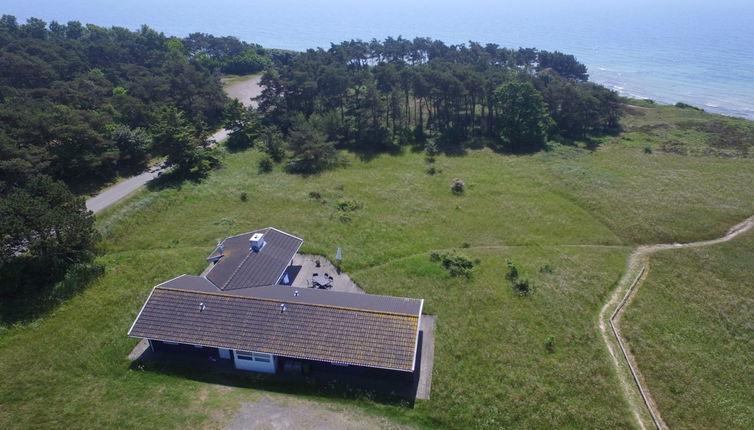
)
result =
(241, 268)
(311, 296)
(346, 330)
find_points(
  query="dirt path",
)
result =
(275, 413)
(640, 400)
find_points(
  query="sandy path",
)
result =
(276, 413)
(640, 400)
(246, 90)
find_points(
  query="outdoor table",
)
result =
(321, 280)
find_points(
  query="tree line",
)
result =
(78, 104)
(376, 96)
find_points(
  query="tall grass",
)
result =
(575, 211)
(691, 332)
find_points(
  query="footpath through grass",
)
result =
(690, 329)
(569, 218)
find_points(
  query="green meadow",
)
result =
(691, 332)
(568, 217)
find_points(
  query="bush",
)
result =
(512, 270)
(457, 186)
(687, 106)
(546, 268)
(523, 287)
(348, 205)
(244, 196)
(315, 195)
(265, 164)
(647, 149)
(457, 265)
(432, 170)
(550, 344)
(76, 279)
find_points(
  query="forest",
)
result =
(80, 104)
(376, 96)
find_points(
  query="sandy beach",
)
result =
(245, 90)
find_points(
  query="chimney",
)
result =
(256, 242)
(295, 293)
(282, 308)
(201, 306)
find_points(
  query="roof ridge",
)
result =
(266, 299)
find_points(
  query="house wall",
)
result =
(255, 361)
(224, 353)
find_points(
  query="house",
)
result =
(246, 310)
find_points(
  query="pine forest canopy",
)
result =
(372, 96)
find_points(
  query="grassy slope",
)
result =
(690, 328)
(491, 368)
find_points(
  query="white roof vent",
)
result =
(256, 242)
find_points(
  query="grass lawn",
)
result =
(578, 211)
(691, 331)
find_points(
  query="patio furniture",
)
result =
(321, 281)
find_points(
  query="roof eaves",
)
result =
(292, 255)
(145, 305)
(283, 232)
(269, 351)
(416, 341)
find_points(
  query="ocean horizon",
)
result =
(698, 52)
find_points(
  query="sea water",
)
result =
(700, 52)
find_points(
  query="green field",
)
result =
(578, 211)
(691, 332)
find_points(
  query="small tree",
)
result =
(512, 270)
(272, 143)
(457, 186)
(265, 164)
(550, 344)
(311, 152)
(523, 120)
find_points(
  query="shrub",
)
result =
(315, 195)
(244, 196)
(546, 268)
(431, 149)
(550, 344)
(76, 279)
(265, 164)
(432, 170)
(687, 106)
(512, 270)
(647, 149)
(457, 265)
(348, 205)
(523, 287)
(457, 186)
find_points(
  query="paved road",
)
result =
(243, 91)
(122, 189)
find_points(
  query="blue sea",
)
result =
(699, 52)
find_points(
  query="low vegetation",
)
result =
(690, 329)
(567, 217)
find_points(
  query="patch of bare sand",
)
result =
(246, 90)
